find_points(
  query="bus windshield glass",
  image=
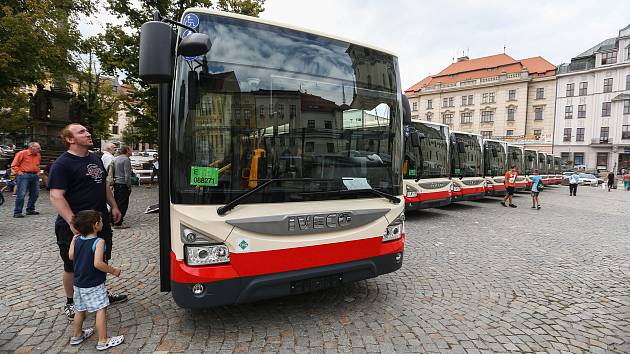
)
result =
(269, 102)
(515, 158)
(557, 165)
(494, 159)
(466, 155)
(530, 162)
(432, 155)
(542, 163)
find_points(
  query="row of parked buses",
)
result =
(442, 166)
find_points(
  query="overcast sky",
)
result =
(426, 36)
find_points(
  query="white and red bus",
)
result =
(467, 166)
(495, 166)
(542, 167)
(530, 164)
(281, 158)
(551, 174)
(515, 157)
(426, 170)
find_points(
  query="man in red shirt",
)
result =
(510, 180)
(26, 167)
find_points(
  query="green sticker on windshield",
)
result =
(204, 176)
(458, 171)
(412, 172)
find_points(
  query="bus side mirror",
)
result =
(461, 147)
(156, 52)
(194, 44)
(406, 111)
(415, 139)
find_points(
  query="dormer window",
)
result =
(609, 58)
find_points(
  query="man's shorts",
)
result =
(90, 299)
(64, 238)
(535, 194)
(510, 190)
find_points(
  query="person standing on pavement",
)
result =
(536, 188)
(77, 182)
(626, 181)
(121, 167)
(510, 181)
(574, 180)
(155, 169)
(26, 167)
(611, 180)
(108, 154)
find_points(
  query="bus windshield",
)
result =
(530, 162)
(557, 165)
(542, 163)
(494, 158)
(269, 102)
(432, 155)
(466, 155)
(515, 157)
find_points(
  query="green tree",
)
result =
(120, 50)
(38, 39)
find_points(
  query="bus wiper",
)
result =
(236, 201)
(394, 199)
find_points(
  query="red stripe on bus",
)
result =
(474, 190)
(425, 196)
(284, 260)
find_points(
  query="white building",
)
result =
(592, 126)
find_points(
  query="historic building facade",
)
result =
(593, 106)
(495, 96)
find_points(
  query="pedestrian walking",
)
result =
(77, 182)
(510, 181)
(87, 251)
(9, 180)
(121, 167)
(108, 154)
(626, 181)
(536, 189)
(611, 180)
(26, 167)
(155, 170)
(574, 180)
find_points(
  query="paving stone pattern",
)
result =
(477, 277)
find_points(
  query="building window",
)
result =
(540, 93)
(486, 134)
(565, 156)
(579, 134)
(608, 84)
(429, 104)
(578, 158)
(447, 118)
(538, 113)
(567, 134)
(627, 82)
(487, 116)
(602, 159)
(512, 95)
(487, 97)
(510, 114)
(568, 112)
(537, 133)
(583, 88)
(603, 135)
(292, 110)
(414, 106)
(582, 111)
(311, 124)
(625, 132)
(330, 147)
(626, 106)
(609, 58)
(466, 117)
(606, 109)
(114, 129)
(328, 124)
(309, 147)
(429, 116)
(467, 100)
(570, 90)
(509, 132)
(451, 101)
(628, 52)
(444, 102)
(491, 97)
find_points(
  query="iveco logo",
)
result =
(319, 221)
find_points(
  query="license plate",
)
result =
(314, 284)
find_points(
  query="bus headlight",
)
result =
(394, 230)
(411, 192)
(205, 255)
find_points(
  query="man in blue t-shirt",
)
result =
(77, 182)
(536, 188)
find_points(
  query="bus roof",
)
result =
(466, 133)
(496, 141)
(427, 122)
(283, 25)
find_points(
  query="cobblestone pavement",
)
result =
(477, 277)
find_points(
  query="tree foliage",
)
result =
(120, 51)
(38, 38)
